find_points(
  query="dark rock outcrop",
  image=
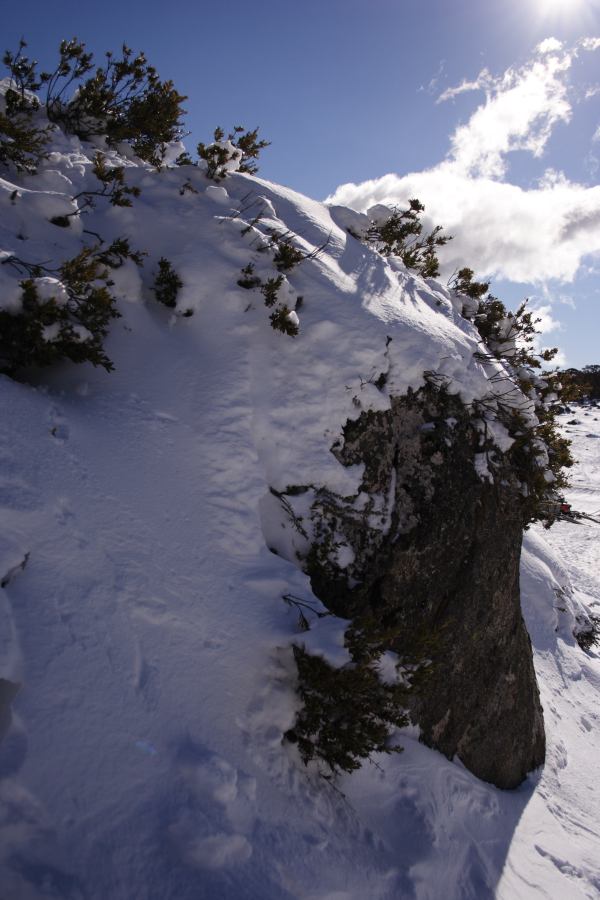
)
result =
(436, 565)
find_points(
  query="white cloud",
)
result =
(545, 320)
(549, 45)
(483, 81)
(432, 87)
(499, 228)
(520, 111)
(590, 43)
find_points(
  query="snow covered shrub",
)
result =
(236, 153)
(529, 400)
(64, 312)
(221, 156)
(285, 320)
(401, 234)
(167, 283)
(124, 99)
(347, 714)
(248, 143)
(282, 318)
(471, 291)
(112, 179)
(286, 256)
(270, 290)
(22, 142)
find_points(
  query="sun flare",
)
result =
(565, 10)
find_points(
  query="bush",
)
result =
(347, 715)
(22, 143)
(528, 402)
(285, 320)
(286, 256)
(401, 235)
(282, 318)
(112, 179)
(124, 99)
(236, 153)
(64, 314)
(585, 381)
(167, 284)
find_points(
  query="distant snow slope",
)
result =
(144, 758)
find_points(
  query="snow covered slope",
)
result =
(144, 758)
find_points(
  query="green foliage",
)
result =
(218, 155)
(124, 99)
(402, 235)
(584, 382)
(113, 182)
(270, 289)
(462, 283)
(167, 283)
(241, 147)
(72, 324)
(280, 317)
(528, 402)
(286, 256)
(22, 143)
(248, 143)
(347, 714)
(114, 189)
(117, 252)
(280, 321)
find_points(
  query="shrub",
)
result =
(584, 381)
(221, 157)
(402, 235)
(112, 179)
(282, 318)
(237, 152)
(270, 290)
(347, 714)
(462, 283)
(286, 256)
(22, 143)
(528, 402)
(124, 99)
(167, 283)
(248, 143)
(285, 320)
(63, 317)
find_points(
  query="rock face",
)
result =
(436, 552)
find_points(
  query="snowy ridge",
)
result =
(147, 630)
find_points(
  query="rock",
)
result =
(436, 565)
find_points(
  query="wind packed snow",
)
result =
(144, 619)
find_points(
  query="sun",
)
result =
(564, 10)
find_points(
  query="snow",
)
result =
(148, 629)
(48, 288)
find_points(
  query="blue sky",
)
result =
(466, 104)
